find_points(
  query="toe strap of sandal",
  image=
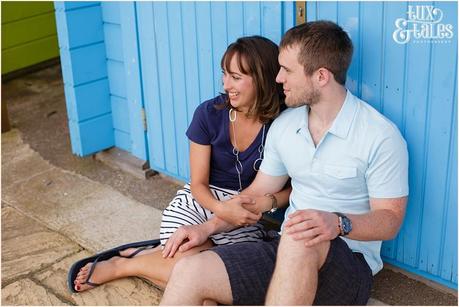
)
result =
(91, 271)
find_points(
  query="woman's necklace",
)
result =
(256, 164)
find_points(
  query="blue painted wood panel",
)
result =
(414, 85)
(95, 92)
(120, 33)
(111, 12)
(112, 35)
(120, 114)
(132, 71)
(74, 5)
(84, 70)
(181, 44)
(115, 72)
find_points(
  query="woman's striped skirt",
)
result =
(184, 210)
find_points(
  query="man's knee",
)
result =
(196, 269)
(295, 250)
(189, 267)
(203, 277)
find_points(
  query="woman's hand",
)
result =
(185, 238)
(234, 212)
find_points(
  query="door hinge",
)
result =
(144, 119)
(300, 12)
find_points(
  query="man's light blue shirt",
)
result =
(362, 155)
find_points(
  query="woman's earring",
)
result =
(232, 118)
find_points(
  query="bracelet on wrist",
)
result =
(273, 202)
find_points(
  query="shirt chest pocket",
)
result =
(343, 181)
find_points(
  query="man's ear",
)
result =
(324, 76)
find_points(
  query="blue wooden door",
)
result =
(180, 48)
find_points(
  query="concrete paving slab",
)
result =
(11, 140)
(23, 254)
(15, 225)
(23, 168)
(129, 291)
(27, 293)
(24, 165)
(94, 215)
(59, 187)
(9, 154)
(124, 221)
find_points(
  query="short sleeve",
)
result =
(387, 172)
(272, 163)
(198, 131)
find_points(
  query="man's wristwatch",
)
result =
(345, 224)
(273, 202)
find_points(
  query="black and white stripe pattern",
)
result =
(184, 210)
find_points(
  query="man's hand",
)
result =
(312, 226)
(195, 235)
(261, 204)
(233, 211)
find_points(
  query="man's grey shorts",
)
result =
(344, 279)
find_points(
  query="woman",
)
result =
(227, 136)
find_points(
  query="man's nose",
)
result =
(280, 77)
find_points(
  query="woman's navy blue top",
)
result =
(210, 126)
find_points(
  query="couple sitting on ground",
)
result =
(348, 166)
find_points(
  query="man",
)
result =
(349, 171)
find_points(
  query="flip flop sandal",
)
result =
(105, 255)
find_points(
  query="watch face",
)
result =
(347, 225)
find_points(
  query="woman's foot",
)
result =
(104, 271)
(128, 252)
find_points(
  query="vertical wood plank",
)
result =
(132, 71)
(84, 70)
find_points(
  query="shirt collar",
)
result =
(303, 123)
(343, 121)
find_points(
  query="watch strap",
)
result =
(341, 218)
(273, 202)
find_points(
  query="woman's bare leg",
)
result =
(130, 251)
(151, 266)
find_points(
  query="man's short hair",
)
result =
(322, 44)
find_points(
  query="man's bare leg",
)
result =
(295, 277)
(198, 279)
(151, 266)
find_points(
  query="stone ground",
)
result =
(51, 218)
(57, 208)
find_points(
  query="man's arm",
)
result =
(198, 234)
(266, 184)
(381, 223)
(262, 184)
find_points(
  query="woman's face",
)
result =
(239, 86)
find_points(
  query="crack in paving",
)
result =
(42, 269)
(42, 223)
(50, 290)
